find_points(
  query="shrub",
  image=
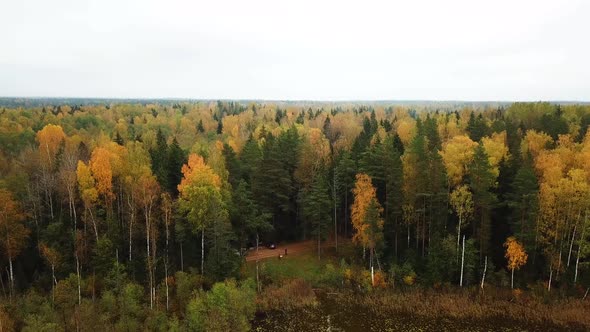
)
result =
(226, 307)
(6, 321)
(293, 294)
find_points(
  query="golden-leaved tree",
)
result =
(200, 197)
(366, 217)
(516, 256)
(50, 139)
(88, 193)
(456, 154)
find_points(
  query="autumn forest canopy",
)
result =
(139, 215)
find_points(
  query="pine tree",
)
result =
(315, 207)
(200, 127)
(233, 165)
(481, 182)
(159, 156)
(523, 199)
(250, 159)
(345, 176)
(176, 158)
(393, 192)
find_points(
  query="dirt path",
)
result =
(292, 248)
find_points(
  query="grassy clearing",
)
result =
(294, 282)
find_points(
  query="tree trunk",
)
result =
(550, 277)
(462, 262)
(458, 237)
(346, 212)
(131, 222)
(485, 268)
(11, 288)
(147, 245)
(203, 252)
(569, 255)
(335, 219)
(395, 231)
(2, 283)
(53, 282)
(79, 287)
(166, 222)
(372, 270)
(94, 225)
(166, 281)
(181, 257)
(580, 249)
(558, 262)
(257, 273)
(319, 244)
(512, 279)
(408, 236)
(576, 270)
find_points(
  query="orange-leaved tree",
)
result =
(516, 256)
(366, 217)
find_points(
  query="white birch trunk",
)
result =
(485, 268)
(462, 262)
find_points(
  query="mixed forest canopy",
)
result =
(123, 206)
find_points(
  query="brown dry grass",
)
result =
(292, 294)
(573, 313)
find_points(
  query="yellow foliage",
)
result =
(50, 138)
(100, 165)
(457, 153)
(364, 194)
(496, 150)
(405, 129)
(462, 202)
(348, 276)
(534, 142)
(410, 279)
(86, 184)
(515, 253)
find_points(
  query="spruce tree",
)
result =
(482, 181)
(176, 158)
(315, 206)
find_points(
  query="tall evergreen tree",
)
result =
(315, 206)
(250, 159)
(481, 182)
(176, 158)
(393, 192)
(159, 156)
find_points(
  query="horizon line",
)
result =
(302, 100)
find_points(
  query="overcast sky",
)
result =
(304, 49)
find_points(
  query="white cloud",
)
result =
(469, 50)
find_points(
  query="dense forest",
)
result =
(132, 216)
